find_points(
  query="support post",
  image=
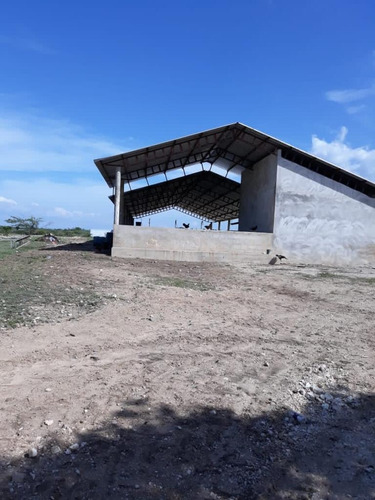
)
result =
(228, 226)
(122, 204)
(117, 195)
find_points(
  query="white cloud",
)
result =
(60, 204)
(75, 213)
(353, 110)
(7, 200)
(360, 160)
(349, 95)
(31, 142)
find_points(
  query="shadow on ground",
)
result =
(87, 246)
(155, 453)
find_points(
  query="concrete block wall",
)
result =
(319, 220)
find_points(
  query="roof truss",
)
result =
(204, 194)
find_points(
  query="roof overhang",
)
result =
(233, 148)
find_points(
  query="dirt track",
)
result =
(188, 381)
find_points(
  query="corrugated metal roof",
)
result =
(233, 147)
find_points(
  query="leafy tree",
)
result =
(5, 230)
(28, 226)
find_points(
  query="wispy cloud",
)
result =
(7, 200)
(75, 213)
(353, 110)
(35, 143)
(360, 160)
(72, 203)
(26, 44)
(350, 95)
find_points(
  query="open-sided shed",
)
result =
(283, 197)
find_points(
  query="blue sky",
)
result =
(82, 80)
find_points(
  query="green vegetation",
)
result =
(24, 226)
(17, 231)
(31, 292)
(6, 248)
(332, 276)
(75, 231)
(183, 283)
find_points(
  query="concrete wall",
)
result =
(319, 220)
(190, 245)
(257, 202)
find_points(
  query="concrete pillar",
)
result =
(122, 204)
(118, 195)
(228, 226)
(258, 191)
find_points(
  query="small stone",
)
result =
(338, 402)
(302, 392)
(321, 368)
(266, 363)
(55, 450)
(48, 422)
(32, 453)
(316, 389)
(74, 446)
(327, 397)
(47, 389)
(325, 406)
(18, 477)
(298, 418)
(68, 452)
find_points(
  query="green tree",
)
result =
(28, 226)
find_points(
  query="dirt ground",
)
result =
(131, 379)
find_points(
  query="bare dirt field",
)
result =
(139, 379)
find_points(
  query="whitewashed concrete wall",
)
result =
(319, 220)
(257, 202)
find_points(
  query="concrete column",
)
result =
(118, 195)
(122, 204)
(258, 191)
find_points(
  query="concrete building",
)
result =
(284, 199)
